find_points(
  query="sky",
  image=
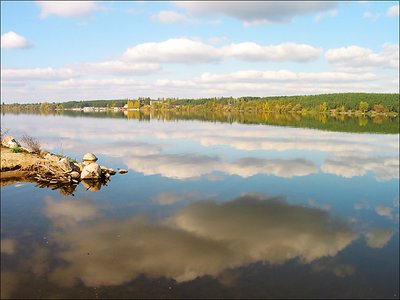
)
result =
(59, 50)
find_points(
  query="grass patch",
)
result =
(17, 150)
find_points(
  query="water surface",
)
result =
(211, 210)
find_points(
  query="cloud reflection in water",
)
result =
(204, 238)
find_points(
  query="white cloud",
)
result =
(253, 76)
(190, 51)
(13, 40)
(356, 57)
(37, 74)
(172, 50)
(393, 11)
(84, 69)
(67, 8)
(116, 67)
(283, 52)
(256, 12)
(169, 17)
(355, 69)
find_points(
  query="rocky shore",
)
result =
(50, 170)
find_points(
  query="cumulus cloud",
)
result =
(169, 17)
(172, 50)
(232, 234)
(393, 11)
(146, 59)
(258, 12)
(12, 40)
(358, 57)
(190, 51)
(284, 52)
(67, 8)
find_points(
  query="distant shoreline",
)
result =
(339, 103)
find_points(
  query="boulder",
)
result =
(10, 142)
(91, 171)
(89, 158)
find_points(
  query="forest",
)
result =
(375, 103)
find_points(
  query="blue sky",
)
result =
(59, 50)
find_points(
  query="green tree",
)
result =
(363, 106)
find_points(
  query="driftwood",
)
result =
(51, 174)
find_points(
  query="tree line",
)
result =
(377, 103)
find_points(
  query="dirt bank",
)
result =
(15, 167)
(22, 161)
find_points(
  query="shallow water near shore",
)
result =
(206, 210)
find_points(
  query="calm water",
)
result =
(206, 210)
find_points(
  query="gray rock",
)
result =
(10, 142)
(91, 171)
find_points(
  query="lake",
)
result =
(206, 210)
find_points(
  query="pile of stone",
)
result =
(61, 170)
(53, 170)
